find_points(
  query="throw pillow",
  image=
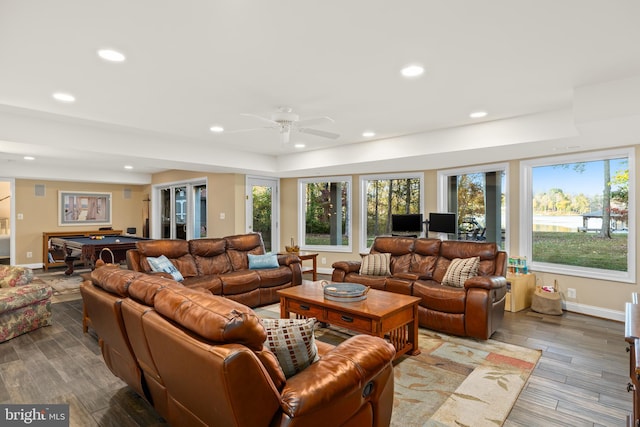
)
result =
(293, 343)
(460, 270)
(164, 264)
(376, 264)
(10, 276)
(257, 262)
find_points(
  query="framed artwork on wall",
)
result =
(80, 208)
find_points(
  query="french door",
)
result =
(262, 210)
(183, 211)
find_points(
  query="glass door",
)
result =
(262, 210)
(183, 211)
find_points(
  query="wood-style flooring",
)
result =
(580, 379)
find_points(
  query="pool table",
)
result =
(88, 249)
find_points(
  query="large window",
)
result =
(477, 197)
(577, 214)
(386, 195)
(325, 213)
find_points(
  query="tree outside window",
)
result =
(326, 213)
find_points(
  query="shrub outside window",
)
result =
(578, 215)
(325, 214)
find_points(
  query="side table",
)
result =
(520, 290)
(307, 256)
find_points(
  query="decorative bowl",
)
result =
(292, 249)
(345, 292)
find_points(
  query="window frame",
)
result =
(363, 198)
(443, 189)
(526, 215)
(302, 185)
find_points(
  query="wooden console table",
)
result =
(306, 256)
(57, 260)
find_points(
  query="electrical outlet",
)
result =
(323, 260)
(571, 293)
(29, 254)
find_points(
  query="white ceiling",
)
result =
(192, 64)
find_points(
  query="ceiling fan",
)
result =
(285, 120)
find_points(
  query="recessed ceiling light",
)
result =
(64, 97)
(216, 129)
(29, 158)
(111, 55)
(412, 71)
(128, 167)
(299, 145)
(478, 114)
(368, 134)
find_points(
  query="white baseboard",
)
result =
(591, 310)
(325, 270)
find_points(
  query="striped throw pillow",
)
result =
(376, 264)
(460, 270)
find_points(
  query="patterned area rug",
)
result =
(454, 381)
(65, 288)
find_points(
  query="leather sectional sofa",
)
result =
(418, 266)
(221, 266)
(199, 359)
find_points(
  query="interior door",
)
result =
(262, 210)
(183, 211)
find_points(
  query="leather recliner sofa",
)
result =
(199, 359)
(221, 266)
(417, 268)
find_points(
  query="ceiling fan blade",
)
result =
(312, 121)
(321, 133)
(246, 130)
(264, 119)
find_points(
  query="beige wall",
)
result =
(40, 214)
(606, 295)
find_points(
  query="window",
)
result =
(325, 214)
(386, 195)
(578, 214)
(477, 197)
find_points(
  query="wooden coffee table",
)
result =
(381, 314)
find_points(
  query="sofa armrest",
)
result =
(347, 266)
(486, 282)
(288, 259)
(341, 377)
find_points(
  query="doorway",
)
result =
(182, 210)
(262, 210)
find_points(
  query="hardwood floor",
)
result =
(580, 379)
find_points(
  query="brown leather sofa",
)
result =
(417, 268)
(199, 359)
(221, 266)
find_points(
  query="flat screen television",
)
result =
(442, 222)
(405, 223)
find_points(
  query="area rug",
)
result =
(453, 381)
(65, 288)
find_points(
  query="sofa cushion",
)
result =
(258, 262)
(164, 265)
(293, 343)
(11, 276)
(210, 256)
(376, 264)
(460, 270)
(438, 298)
